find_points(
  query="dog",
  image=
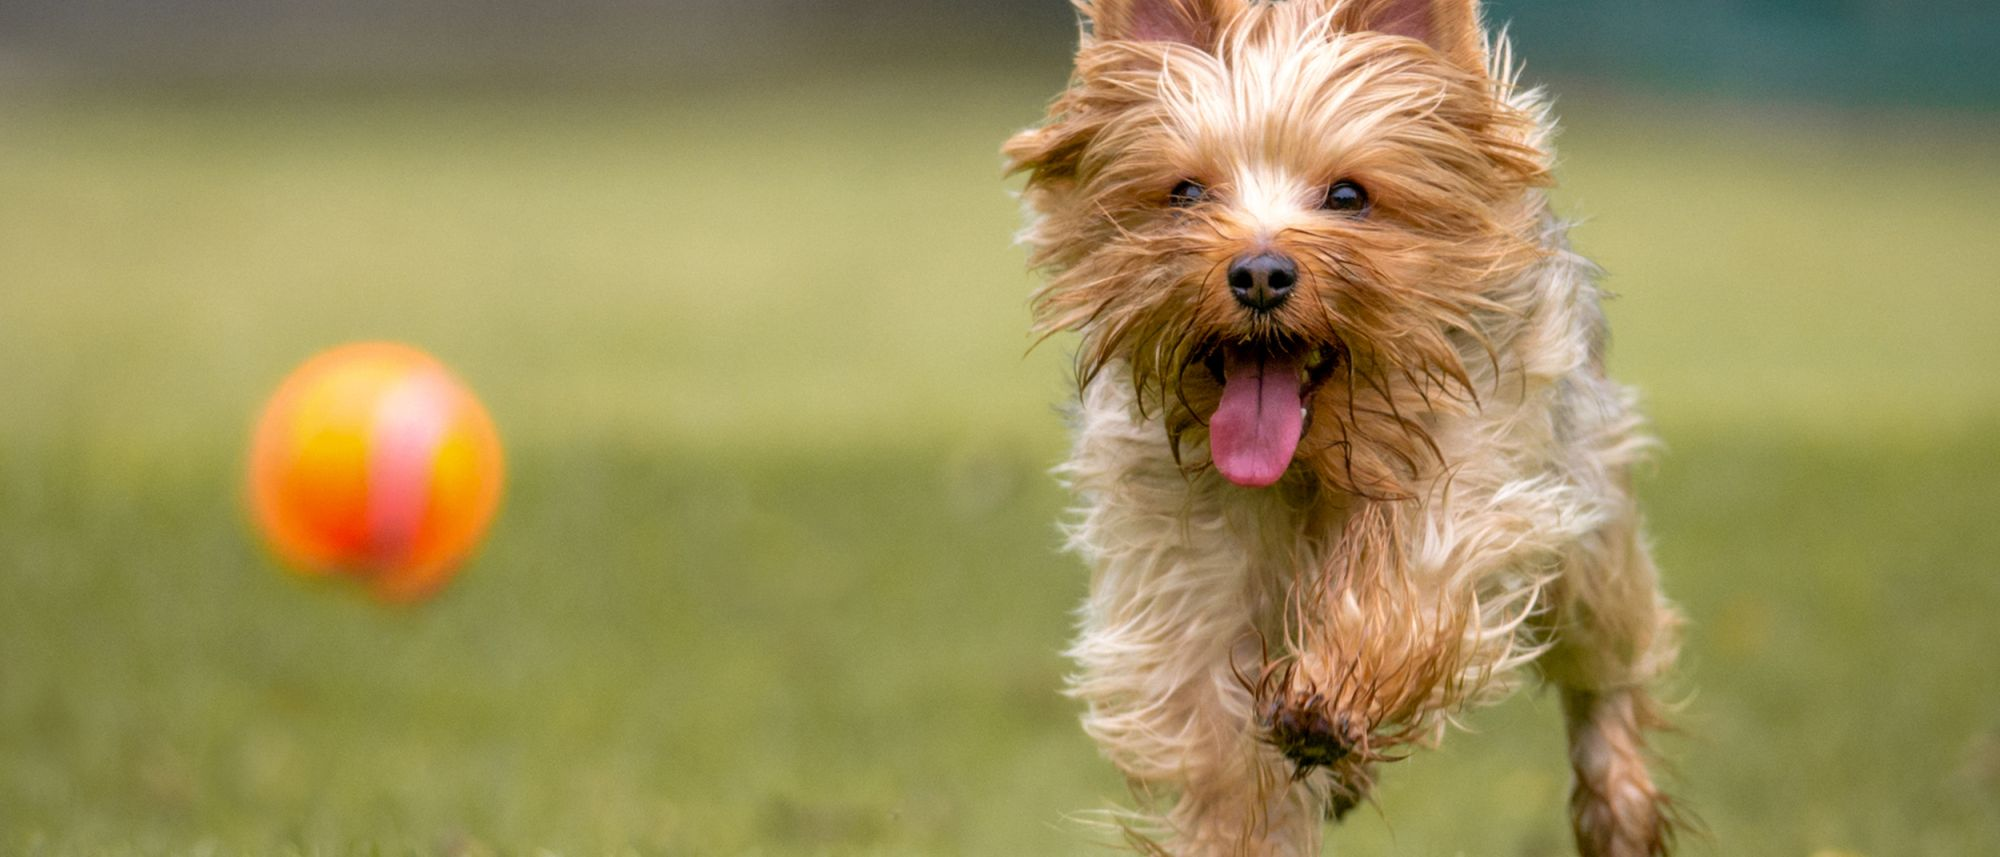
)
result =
(1348, 459)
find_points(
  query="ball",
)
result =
(373, 461)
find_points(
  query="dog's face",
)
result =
(1289, 221)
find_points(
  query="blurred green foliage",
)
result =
(777, 573)
(1865, 52)
(1842, 51)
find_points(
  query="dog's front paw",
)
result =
(1302, 727)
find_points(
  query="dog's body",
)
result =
(1349, 459)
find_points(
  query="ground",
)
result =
(777, 572)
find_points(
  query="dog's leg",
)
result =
(1615, 635)
(1615, 809)
(1184, 579)
(1419, 614)
(1167, 635)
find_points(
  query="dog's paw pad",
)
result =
(1307, 733)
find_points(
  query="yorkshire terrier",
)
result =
(1348, 457)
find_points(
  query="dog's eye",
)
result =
(1346, 196)
(1186, 193)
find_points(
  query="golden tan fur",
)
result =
(1457, 507)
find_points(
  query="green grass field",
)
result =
(777, 571)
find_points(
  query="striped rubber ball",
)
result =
(373, 461)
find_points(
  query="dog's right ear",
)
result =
(1450, 26)
(1190, 22)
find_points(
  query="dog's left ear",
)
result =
(1450, 26)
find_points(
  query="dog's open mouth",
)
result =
(1256, 427)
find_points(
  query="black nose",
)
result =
(1263, 281)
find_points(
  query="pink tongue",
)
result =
(1256, 428)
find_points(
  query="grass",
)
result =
(776, 573)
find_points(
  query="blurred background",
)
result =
(777, 572)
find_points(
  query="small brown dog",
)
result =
(1349, 460)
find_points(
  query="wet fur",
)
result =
(1458, 511)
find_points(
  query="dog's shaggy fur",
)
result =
(1452, 506)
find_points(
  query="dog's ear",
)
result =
(1190, 22)
(1450, 26)
(1050, 153)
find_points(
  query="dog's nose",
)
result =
(1262, 281)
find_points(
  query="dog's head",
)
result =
(1289, 221)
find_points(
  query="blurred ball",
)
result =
(373, 461)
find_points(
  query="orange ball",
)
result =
(373, 461)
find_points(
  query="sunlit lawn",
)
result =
(777, 571)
